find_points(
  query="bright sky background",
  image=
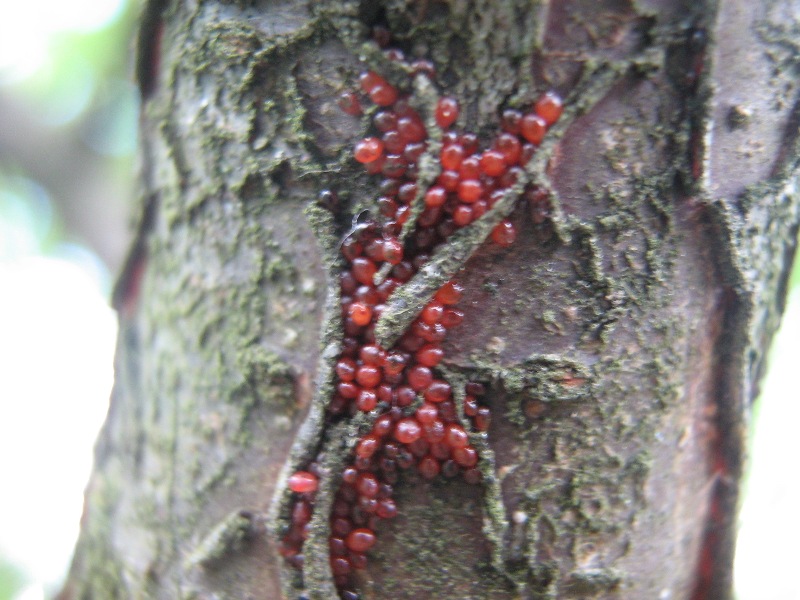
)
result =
(30, 28)
(767, 553)
(56, 352)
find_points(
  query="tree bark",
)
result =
(621, 339)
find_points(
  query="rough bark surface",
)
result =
(623, 338)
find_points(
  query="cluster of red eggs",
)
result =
(417, 424)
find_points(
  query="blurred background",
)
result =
(68, 120)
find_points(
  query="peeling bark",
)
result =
(623, 338)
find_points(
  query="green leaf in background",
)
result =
(11, 580)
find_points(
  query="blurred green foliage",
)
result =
(11, 580)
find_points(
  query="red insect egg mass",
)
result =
(413, 421)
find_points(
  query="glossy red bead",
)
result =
(465, 456)
(528, 150)
(394, 363)
(349, 475)
(438, 391)
(449, 293)
(301, 513)
(419, 377)
(383, 426)
(475, 389)
(385, 121)
(463, 215)
(493, 163)
(347, 389)
(429, 355)
(432, 313)
(449, 180)
(387, 509)
(447, 411)
(337, 546)
(367, 485)
(469, 141)
(456, 437)
(473, 476)
(383, 94)
(435, 196)
(369, 80)
(452, 317)
(446, 112)
(366, 400)
(470, 168)
(427, 413)
(428, 467)
(483, 419)
(367, 446)
(504, 233)
(360, 540)
(405, 396)
(407, 431)
(346, 369)
(372, 354)
(533, 128)
(470, 406)
(470, 190)
(368, 376)
(393, 142)
(509, 146)
(363, 270)
(549, 107)
(413, 151)
(510, 121)
(349, 104)
(303, 482)
(411, 129)
(360, 313)
(368, 150)
(407, 192)
(451, 156)
(340, 565)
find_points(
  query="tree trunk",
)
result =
(620, 338)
